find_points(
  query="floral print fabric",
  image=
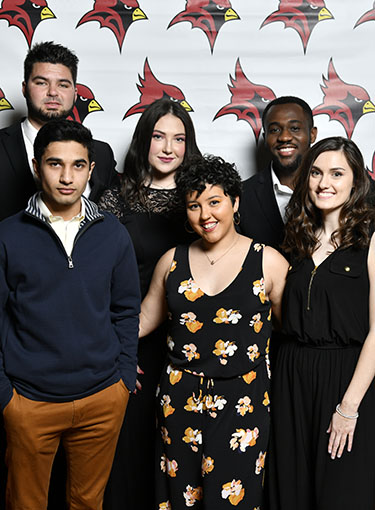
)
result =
(213, 405)
(223, 335)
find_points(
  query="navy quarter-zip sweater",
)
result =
(68, 325)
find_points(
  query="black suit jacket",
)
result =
(17, 183)
(260, 214)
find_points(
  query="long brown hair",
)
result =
(137, 169)
(304, 218)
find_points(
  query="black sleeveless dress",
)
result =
(326, 320)
(213, 400)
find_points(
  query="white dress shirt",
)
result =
(282, 193)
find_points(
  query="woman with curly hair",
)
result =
(323, 401)
(148, 205)
(213, 402)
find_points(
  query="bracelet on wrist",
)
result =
(350, 417)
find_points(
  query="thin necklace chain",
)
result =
(212, 261)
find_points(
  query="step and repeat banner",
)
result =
(223, 60)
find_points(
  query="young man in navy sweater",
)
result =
(69, 304)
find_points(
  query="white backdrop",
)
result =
(255, 54)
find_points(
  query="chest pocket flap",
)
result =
(349, 263)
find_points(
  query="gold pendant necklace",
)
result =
(212, 262)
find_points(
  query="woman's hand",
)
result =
(138, 385)
(341, 430)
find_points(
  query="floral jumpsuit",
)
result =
(213, 403)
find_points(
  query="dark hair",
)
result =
(289, 100)
(303, 218)
(137, 169)
(62, 131)
(208, 169)
(50, 53)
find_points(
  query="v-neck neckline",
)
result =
(229, 284)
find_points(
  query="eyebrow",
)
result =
(289, 122)
(209, 198)
(40, 77)
(163, 132)
(60, 160)
(330, 169)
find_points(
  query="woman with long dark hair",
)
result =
(323, 400)
(148, 205)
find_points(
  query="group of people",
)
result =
(230, 274)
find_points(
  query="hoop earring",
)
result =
(236, 218)
(186, 227)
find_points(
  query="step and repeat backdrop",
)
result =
(223, 60)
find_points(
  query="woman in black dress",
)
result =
(323, 401)
(147, 204)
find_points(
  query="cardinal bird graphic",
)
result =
(152, 89)
(302, 15)
(368, 16)
(4, 103)
(117, 15)
(26, 15)
(248, 100)
(208, 15)
(342, 101)
(85, 104)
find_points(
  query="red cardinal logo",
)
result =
(117, 15)
(248, 100)
(4, 103)
(152, 89)
(26, 15)
(302, 15)
(208, 15)
(342, 101)
(85, 104)
(368, 16)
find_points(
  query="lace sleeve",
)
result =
(111, 201)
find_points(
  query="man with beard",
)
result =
(288, 133)
(49, 87)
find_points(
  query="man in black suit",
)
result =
(288, 133)
(49, 87)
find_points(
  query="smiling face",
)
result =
(211, 213)
(331, 181)
(49, 92)
(167, 147)
(287, 136)
(63, 172)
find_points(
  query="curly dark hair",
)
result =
(304, 219)
(51, 53)
(137, 169)
(208, 169)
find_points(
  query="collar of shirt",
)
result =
(29, 133)
(282, 193)
(51, 218)
(65, 230)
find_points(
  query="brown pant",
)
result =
(88, 428)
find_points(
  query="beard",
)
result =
(43, 116)
(286, 169)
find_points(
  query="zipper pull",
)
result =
(70, 260)
(313, 272)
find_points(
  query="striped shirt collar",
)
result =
(90, 209)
